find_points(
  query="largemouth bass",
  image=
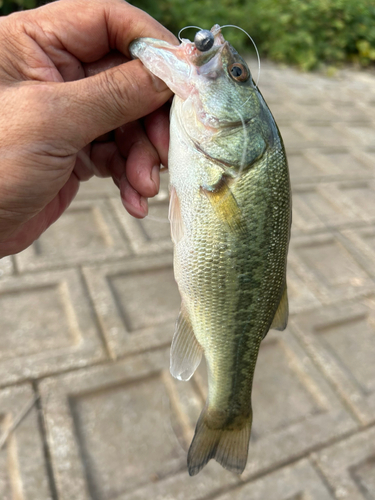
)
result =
(230, 214)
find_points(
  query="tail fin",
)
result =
(228, 446)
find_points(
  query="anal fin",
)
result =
(281, 317)
(186, 352)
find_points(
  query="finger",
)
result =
(134, 203)
(108, 160)
(84, 169)
(101, 159)
(106, 101)
(95, 28)
(157, 129)
(110, 60)
(142, 164)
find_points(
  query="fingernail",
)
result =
(155, 177)
(144, 205)
(141, 211)
(136, 205)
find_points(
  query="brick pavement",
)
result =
(87, 315)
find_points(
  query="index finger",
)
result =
(89, 29)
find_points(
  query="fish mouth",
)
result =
(179, 65)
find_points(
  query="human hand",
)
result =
(51, 113)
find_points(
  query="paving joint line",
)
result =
(46, 452)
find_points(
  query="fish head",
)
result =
(208, 74)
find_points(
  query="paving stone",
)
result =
(294, 137)
(6, 266)
(294, 408)
(326, 203)
(274, 92)
(361, 241)
(353, 87)
(349, 466)
(359, 196)
(110, 432)
(273, 89)
(305, 219)
(301, 167)
(368, 158)
(183, 487)
(46, 326)
(341, 340)
(86, 232)
(318, 206)
(310, 112)
(283, 112)
(324, 262)
(137, 303)
(149, 235)
(300, 296)
(362, 132)
(23, 474)
(301, 91)
(347, 111)
(323, 133)
(329, 164)
(343, 163)
(296, 482)
(97, 187)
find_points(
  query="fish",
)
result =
(230, 215)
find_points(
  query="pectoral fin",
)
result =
(186, 352)
(225, 205)
(177, 225)
(281, 317)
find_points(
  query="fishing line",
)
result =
(243, 158)
(154, 218)
(187, 27)
(252, 41)
(229, 26)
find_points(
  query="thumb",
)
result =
(107, 100)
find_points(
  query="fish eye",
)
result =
(204, 40)
(238, 72)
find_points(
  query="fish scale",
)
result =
(230, 218)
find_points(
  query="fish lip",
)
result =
(166, 61)
(186, 47)
(178, 65)
(153, 42)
